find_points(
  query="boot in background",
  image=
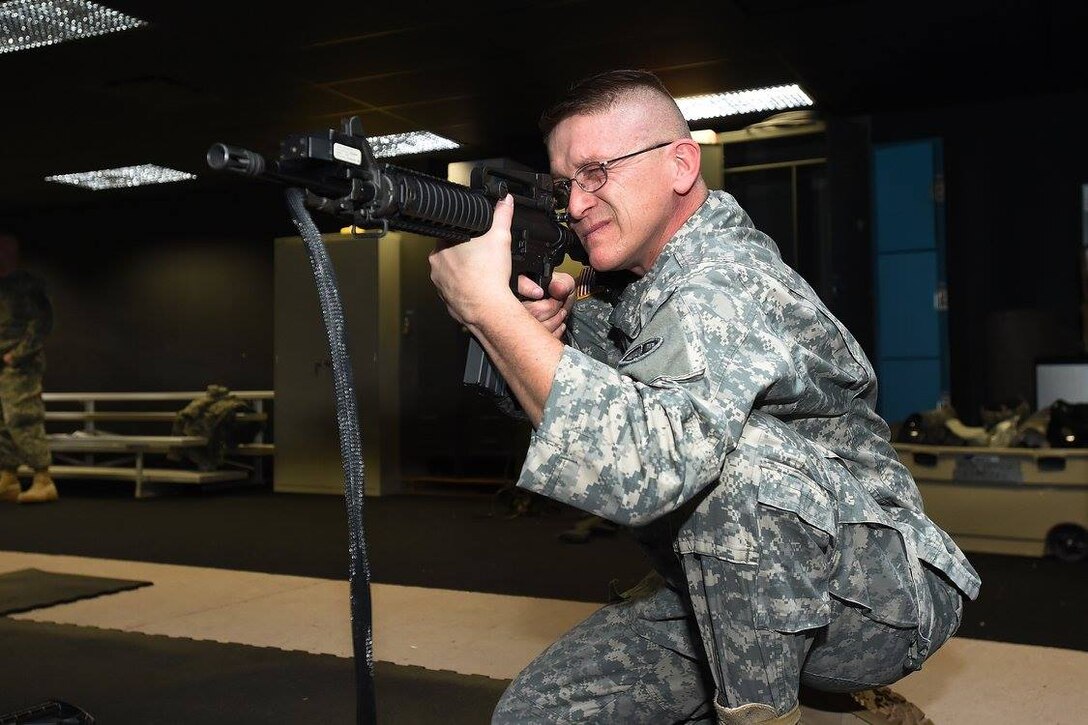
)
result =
(9, 486)
(42, 489)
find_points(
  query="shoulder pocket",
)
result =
(668, 349)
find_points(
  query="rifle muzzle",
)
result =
(223, 157)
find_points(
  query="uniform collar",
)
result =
(688, 246)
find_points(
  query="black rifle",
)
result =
(339, 174)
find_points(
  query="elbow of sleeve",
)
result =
(646, 512)
(635, 519)
(657, 497)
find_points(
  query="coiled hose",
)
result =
(351, 456)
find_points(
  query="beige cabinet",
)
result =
(307, 443)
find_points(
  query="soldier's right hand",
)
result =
(551, 311)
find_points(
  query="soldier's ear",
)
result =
(686, 160)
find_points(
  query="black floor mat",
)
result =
(27, 589)
(124, 677)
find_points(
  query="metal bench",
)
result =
(78, 450)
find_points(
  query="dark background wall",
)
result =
(161, 289)
(1013, 176)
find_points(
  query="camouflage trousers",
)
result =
(22, 418)
(667, 652)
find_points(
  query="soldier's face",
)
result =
(623, 225)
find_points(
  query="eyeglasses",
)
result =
(592, 176)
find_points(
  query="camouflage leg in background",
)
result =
(10, 458)
(22, 428)
(636, 661)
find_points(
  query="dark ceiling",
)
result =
(479, 72)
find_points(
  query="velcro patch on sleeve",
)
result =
(641, 351)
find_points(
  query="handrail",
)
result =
(165, 395)
(151, 416)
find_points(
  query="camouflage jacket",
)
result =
(26, 316)
(720, 344)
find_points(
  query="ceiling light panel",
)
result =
(28, 24)
(716, 105)
(123, 177)
(403, 144)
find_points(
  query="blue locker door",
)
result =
(911, 319)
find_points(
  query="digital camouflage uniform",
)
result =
(718, 408)
(26, 318)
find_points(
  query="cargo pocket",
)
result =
(874, 573)
(796, 520)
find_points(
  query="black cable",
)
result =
(351, 455)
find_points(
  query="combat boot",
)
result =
(42, 489)
(9, 486)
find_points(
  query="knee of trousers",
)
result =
(625, 663)
(512, 709)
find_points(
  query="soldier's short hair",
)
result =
(597, 93)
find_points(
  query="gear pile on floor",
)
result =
(1004, 425)
(879, 706)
